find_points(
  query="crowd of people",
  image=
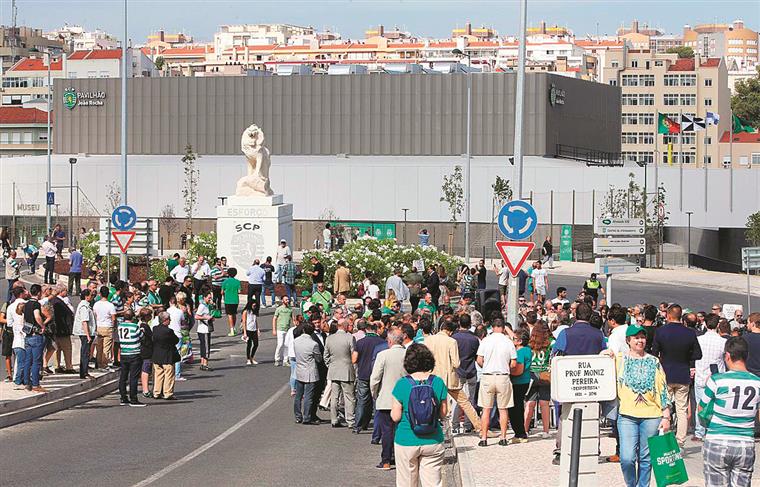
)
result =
(395, 361)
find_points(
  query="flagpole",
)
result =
(731, 163)
(704, 161)
(680, 160)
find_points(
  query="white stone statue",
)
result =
(256, 183)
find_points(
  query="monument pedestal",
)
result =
(251, 227)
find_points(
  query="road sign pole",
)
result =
(609, 290)
(108, 253)
(126, 64)
(749, 296)
(512, 299)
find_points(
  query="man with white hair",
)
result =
(388, 369)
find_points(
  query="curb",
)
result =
(15, 412)
(465, 477)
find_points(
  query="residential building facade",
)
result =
(23, 131)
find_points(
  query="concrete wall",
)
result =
(722, 245)
(377, 114)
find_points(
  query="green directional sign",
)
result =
(566, 243)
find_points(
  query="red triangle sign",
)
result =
(514, 254)
(123, 239)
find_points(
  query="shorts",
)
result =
(539, 392)
(497, 387)
(502, 290)
(147, 365)
(7, 346)
(230, 309)
(541, 290)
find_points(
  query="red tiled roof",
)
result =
(285, 47)
(405, 45)
(593, 43)
(443, 44)
(186, 51)
(18, 115)
(682, 65)
(741, 138)
(36, 64)
(712, 62)
(78, 55)
(95, 54)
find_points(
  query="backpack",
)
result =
(424, 409)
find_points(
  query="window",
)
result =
(613, 82)
(42, 136)
(707, 160)
(708, 102)
(4, 138)
(688, 80)
(670, 99)
(726, 161)
(630, 80)
(629, 119)
(687, 100)
(104, 74)
(628, 99)
(634, 63)
(646, 157)
(72, 74)
(16, 137)
(708, 82)
(755, 159)
(743, 160)
(614, 64)
(647, 79)
(92, 74)
(647, 99)
(646, 118)
(689, 158)
(27, 138)
(658, 63)
(646, 138)
(735, 42)
(629, 156)
(708, 140)
(670, 80)
(629, 138)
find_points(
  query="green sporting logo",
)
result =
(70, 98)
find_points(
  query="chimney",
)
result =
(686, 29)
(635, 26)
(380, 30)
(468, 28)
(738, 24)
(542, 27)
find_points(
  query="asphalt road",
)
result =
(101, 443)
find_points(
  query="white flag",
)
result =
(712, 118)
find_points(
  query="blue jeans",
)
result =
(292, 374)
(11, 282)
(302, 400)
(35, 347)
(699, 429)
(264, 289)
(18, 378)
(290, 289)
(84, 356)
(363, 404)
(634, 448)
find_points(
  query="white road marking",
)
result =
(168, 469)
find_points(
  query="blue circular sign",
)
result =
(517, 220)
(123, 218)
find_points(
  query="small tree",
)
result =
(113, 197)
(683, 52)
(160, 63)
(453, 194)
(746, 102)
(168, 220)
(190, 190)
(753, 228)
(502, 192)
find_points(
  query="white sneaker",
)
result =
(277, 364)
(247, 362)
(253, 362)
(180, 379)
(544, 435)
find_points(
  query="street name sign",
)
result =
(619, 246)
(583, 378)
(608, 266)
(514, 254)
(750, 258)
(619, 226)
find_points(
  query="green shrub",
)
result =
(380, 257)
(203, 244)
(158, 270)
(90, 247)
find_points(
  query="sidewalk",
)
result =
(531, 463)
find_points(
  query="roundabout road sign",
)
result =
(123, 218)
(517, 220)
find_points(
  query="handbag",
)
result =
(545, 377)
(667, 461)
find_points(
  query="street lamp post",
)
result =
(467, 184)
(48, 223)
(688, 237)
(125, 64)
(405, 210)
(72, 161)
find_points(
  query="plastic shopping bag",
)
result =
(667, 461)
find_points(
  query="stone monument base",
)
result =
(251, 227)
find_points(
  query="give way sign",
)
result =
(514, 254)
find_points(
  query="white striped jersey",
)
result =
(730, 406)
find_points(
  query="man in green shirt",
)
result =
(323, 297)
(283, 318)
(428, 305)
(172, 263)
(231, 293)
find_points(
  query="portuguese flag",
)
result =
(666, 125)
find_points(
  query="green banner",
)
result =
(566, 243)
(380, 231)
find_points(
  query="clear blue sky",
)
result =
(433, 18)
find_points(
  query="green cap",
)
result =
(305, 293)
(634, 330)
(386, 311)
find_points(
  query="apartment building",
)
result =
(653, 83)
(735, 42)
(241, 35)
(77, 38)
(23, 131)
(27, 79)
(20, 42)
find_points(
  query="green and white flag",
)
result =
(741, 125)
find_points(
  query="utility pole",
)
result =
(125, 63)
(48, 223)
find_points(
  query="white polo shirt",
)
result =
(497, 351)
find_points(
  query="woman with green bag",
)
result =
(643, 395)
